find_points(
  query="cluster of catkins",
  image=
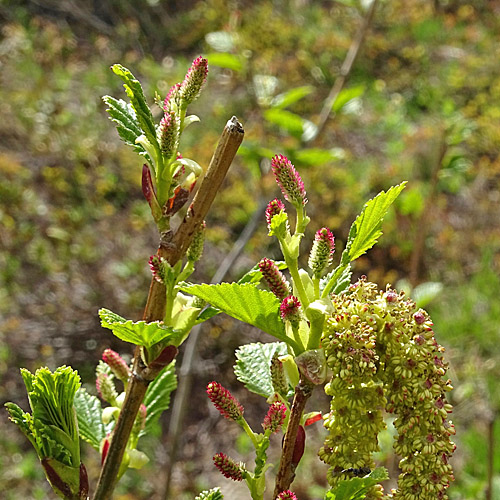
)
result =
(383, 356)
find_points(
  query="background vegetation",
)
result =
(422, 104)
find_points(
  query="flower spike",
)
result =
(275, 417)
(288, 180)
(228, 406)
(117, 364)
(286, 495)
(322, 251)
(193, 82)
(228, 467)
(290, 310)
(274, 278)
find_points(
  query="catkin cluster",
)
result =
(383, 356)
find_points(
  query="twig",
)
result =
(286, 472)
(173, 249)
(345, 69)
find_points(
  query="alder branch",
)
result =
(173, 249)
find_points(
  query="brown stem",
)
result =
(173, 249)
(286, 471)
(345, 69)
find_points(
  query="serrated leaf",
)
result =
(336, 281)
(139, 332)
(123, 115)
(89, 414)
(356, 488)
(247, 303)
(206, 314)
(52, 428)
(157, 398)
(213, 494)
(134, 91)
(366, 229)
(21, 419)
(253, 364)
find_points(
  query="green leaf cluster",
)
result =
(52, 426)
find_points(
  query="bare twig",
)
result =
(345, 69)
(173, 249)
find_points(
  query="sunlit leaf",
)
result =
(367, 227)
(247, 303)
(138, 333)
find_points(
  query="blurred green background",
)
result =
(422, 103)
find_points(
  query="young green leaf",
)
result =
(139, 332)
(340, 279)
(134, 91)
(123, 115)
(356, 488)
(89, 414)
(247, 303)
(157, 397)
(253, 363)
(22, 419)
(52, 427)
(213, 494)
(366, 229)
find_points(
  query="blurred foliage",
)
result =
(422, 104)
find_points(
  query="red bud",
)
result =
(300, 444)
